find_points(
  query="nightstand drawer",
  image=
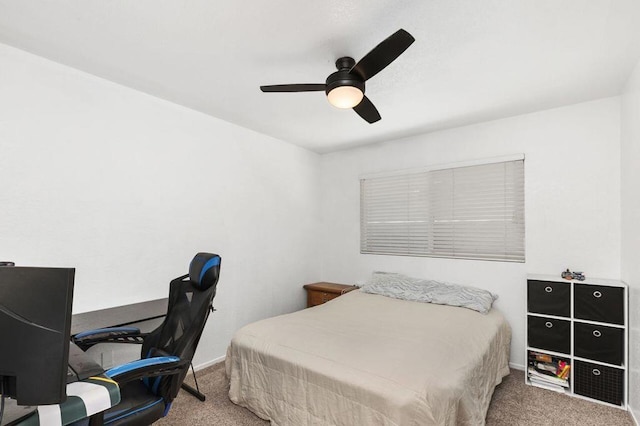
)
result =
(600, 343)
(550, 334)
(599, 303)
(320, 297)
(549, 297)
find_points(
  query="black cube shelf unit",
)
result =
(585, 325)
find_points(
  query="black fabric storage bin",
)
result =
(599, 382)
(549, 297)
(599, 303)
(597, 342)
(550, 334)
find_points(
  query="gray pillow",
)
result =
(430, 291)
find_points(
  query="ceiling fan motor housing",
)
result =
(343, 77)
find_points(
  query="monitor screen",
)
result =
(35, 323)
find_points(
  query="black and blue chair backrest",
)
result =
(190, 302)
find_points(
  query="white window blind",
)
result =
(472, 212)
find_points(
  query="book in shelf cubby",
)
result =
(549, 371)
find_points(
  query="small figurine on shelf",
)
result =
(578, 276)
(568, 275)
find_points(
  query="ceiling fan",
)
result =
(345, 87)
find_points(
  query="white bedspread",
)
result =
(365, 359)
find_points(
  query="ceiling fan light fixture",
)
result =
(345, 87)
(345, 96)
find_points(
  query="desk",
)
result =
(146, 316)
(119, 316)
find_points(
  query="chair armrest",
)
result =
(148, 367)
(88, 338)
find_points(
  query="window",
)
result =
(470, 212)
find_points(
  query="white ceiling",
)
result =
(473, 60)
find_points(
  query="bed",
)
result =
(367, 359)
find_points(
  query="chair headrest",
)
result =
(204, 270)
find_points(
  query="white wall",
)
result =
(630, 172)
(127, 188)
(572, 188)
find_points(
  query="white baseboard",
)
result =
(633, 415)
(208, 363)
(516, 366)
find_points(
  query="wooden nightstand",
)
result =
(319, 293)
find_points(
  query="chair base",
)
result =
(193, 391)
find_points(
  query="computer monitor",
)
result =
(35, 323)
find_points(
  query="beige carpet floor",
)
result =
(513, 404)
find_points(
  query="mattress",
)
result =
(365, 359)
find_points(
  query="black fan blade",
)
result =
(366, 110)
(383, 54)
(293, 88)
